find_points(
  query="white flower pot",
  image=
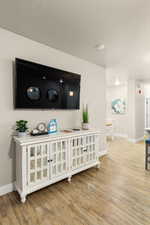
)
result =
(85, 126)
(22, 134)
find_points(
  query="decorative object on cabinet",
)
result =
(68, 131)
(76, 129)
(21, 127)
(52, 126)
(41, 127)
(35, 132)
(46, 160)
(40, 130)
(85, 118)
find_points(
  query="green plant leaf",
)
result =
(85, 115)
(21, 125)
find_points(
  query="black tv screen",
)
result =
(43, 87)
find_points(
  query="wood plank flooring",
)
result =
(116, 194)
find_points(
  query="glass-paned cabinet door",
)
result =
(58, 158)
(90, 149)
(77, 152)
(38, 166)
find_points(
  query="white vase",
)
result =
(85, 126)
(22, 134)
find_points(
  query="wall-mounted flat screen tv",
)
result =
(43, 87)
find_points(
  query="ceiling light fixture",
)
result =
(100, 47)
(117, 82)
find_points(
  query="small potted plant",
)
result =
(21, 127)
(85, 117)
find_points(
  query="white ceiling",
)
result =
(77, 26)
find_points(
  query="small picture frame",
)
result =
(52, 126)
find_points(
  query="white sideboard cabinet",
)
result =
(43, 160)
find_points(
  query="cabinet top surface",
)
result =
(49, 137)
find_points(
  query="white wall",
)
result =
(147, 89)
(120, 122)
(131, 110)
(92, 92)
(139, 112)
(136, 111)
(147, 95)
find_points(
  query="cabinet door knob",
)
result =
(85, 150)
(50, 160)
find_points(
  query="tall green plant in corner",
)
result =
(85, 118)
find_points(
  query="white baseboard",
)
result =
(6, 189)
(136, 140)
(121, 135)
(129, 139)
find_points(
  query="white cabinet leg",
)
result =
(98, 165)
(69, 179)
(23, 199)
